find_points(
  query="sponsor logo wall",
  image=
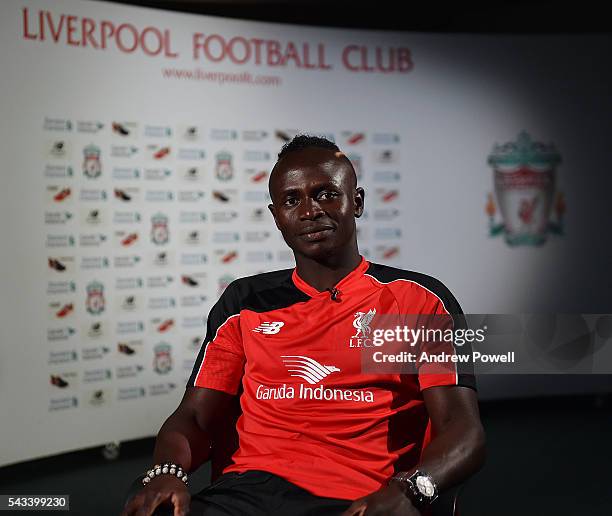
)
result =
(137, 146)
(145, 225)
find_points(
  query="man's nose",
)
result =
(310, 209)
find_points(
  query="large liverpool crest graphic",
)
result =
(526, 195)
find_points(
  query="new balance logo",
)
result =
(307, 368)
(269, 328)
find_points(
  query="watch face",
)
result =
(425, 486)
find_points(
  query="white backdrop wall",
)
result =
(135, 188)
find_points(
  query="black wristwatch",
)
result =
(420, 488)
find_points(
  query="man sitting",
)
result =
(317, 434)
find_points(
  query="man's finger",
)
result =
(152, 501)
(128, 509)
(356, 512)
(132, 505)
(181, 503)
(149, 505)
(142, 511)
(356, 509)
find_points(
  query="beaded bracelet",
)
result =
(167, 468)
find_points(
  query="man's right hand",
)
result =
(162, 489)
(185, 437)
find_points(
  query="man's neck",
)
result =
(324, 275)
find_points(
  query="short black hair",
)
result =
(303, 141)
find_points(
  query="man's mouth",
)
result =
(316, 233)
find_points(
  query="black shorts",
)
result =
(258, 493)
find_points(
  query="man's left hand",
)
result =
(387, 501)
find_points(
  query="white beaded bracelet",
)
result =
(168, 468)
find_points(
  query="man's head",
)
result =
(315, 198)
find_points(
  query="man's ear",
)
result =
(359, 200)
(271, 208)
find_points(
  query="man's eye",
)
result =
(291, 201)
(327, 195)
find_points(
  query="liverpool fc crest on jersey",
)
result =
(362, 322)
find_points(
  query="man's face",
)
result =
(315, 201)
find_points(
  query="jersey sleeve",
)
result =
(220, 362)
(441, 316)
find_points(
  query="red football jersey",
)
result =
(309, 413)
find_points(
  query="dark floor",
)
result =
(550, 456)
